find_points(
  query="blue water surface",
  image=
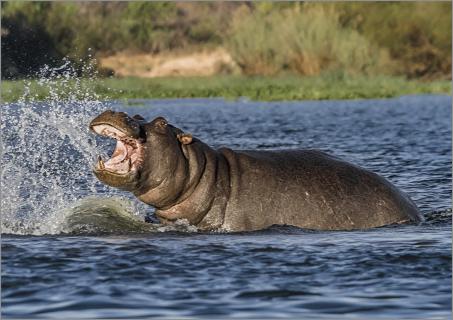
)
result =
(395, 272)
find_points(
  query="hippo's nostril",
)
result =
(138, 117)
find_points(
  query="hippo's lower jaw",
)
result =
(126, 160)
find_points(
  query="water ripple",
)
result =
(394, 272)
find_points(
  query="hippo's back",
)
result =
(310, 189)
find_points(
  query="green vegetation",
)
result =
(417, 36)
(327, 86)
(306, 41)
(284, 50)
(410, 39)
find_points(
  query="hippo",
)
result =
(243, 190)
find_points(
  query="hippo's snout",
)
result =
(118, 122)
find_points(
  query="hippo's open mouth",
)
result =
(128, 153)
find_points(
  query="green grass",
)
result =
(332, 86)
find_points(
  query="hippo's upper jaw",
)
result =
(127, 158)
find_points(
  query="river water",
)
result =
(103, 271)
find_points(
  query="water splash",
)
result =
(47, 151)
(95, 216)
(47, 185)
(113, 216)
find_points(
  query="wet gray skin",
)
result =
(243, 190)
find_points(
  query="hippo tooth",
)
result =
(129, 164)
(101, 163)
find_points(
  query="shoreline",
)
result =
(282, 88)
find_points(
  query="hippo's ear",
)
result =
(184, 138)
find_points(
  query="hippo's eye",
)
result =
(160, 124)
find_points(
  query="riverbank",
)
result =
(325, 87)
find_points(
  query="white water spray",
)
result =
(47, 152)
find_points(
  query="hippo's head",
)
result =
(146, 153)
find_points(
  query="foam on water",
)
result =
(47, 153)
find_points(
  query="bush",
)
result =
(416, 34)
(307, 39)
(25, 45)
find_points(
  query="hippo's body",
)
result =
(183, 178)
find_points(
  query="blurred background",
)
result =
(160, 39)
